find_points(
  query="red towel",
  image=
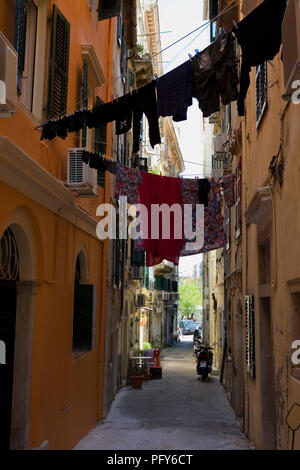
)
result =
(162, 190)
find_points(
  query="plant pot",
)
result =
(136, 381)
(147, 376)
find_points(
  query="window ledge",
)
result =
(95, 70)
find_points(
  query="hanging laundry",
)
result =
(97, 161)
(228, 183)
(259, 35)
(101, 114)
(161, 190)
(111, 166)
(145, 102)
(75, 121)
(214, 235)
(215, 74)
(204, 189)
(48, 130)
(175, 92)
(127, 183)
(123, 113)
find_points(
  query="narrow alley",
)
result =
(177, 412)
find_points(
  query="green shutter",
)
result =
(85, 100)
(100, 144)
(59, 64)
(20, 37)
(108, 9)
(250, 335)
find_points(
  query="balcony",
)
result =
(164, 267)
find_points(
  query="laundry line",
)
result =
(91, 94)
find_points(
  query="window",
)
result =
(84, 310)
(137, 256)
(250, 335)
(59, 65)
(227, 220)
(213, 12)
(118, 256)
(108, 9)
(25, 43)
(295, 332)
(261, 92)
(238, 203)
(120, 30)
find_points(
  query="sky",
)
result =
(182, 17)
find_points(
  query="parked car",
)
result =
(189, 328)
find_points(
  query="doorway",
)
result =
(8, 296)
(267, 376)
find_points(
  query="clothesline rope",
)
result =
(91, 94)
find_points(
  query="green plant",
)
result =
(147, 345)
(190, 296)
(139, 48)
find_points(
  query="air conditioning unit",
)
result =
(140, 300)
(81, 177)
(8, 77)
(291, 48)
(136, 273)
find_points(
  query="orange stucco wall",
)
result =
(59, 381)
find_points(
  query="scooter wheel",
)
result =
(204, 378)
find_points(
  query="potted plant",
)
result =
(136, 376)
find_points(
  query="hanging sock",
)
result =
(175, 92)
(123, 111)
(145, 103)
(259, 35)
(215, 75)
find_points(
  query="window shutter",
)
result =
(123, 61)
(108, 9)
(137, 256)
(261, 91)
(85, 315)
(117, 258)
(250, 335)
(100, 144)
(59, 64)
(120, 30)
(20, 37)
(85, 100)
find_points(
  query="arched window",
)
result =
(84, 307)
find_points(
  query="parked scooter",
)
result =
(204, 361)
(197, 346)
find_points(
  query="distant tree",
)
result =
(190, 296)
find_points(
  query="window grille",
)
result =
(261, 91)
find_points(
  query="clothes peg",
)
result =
(197, 51)
(226, 29)
(235, 24)
(156, 77)
(190, 56)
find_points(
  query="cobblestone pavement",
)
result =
(178, 411)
